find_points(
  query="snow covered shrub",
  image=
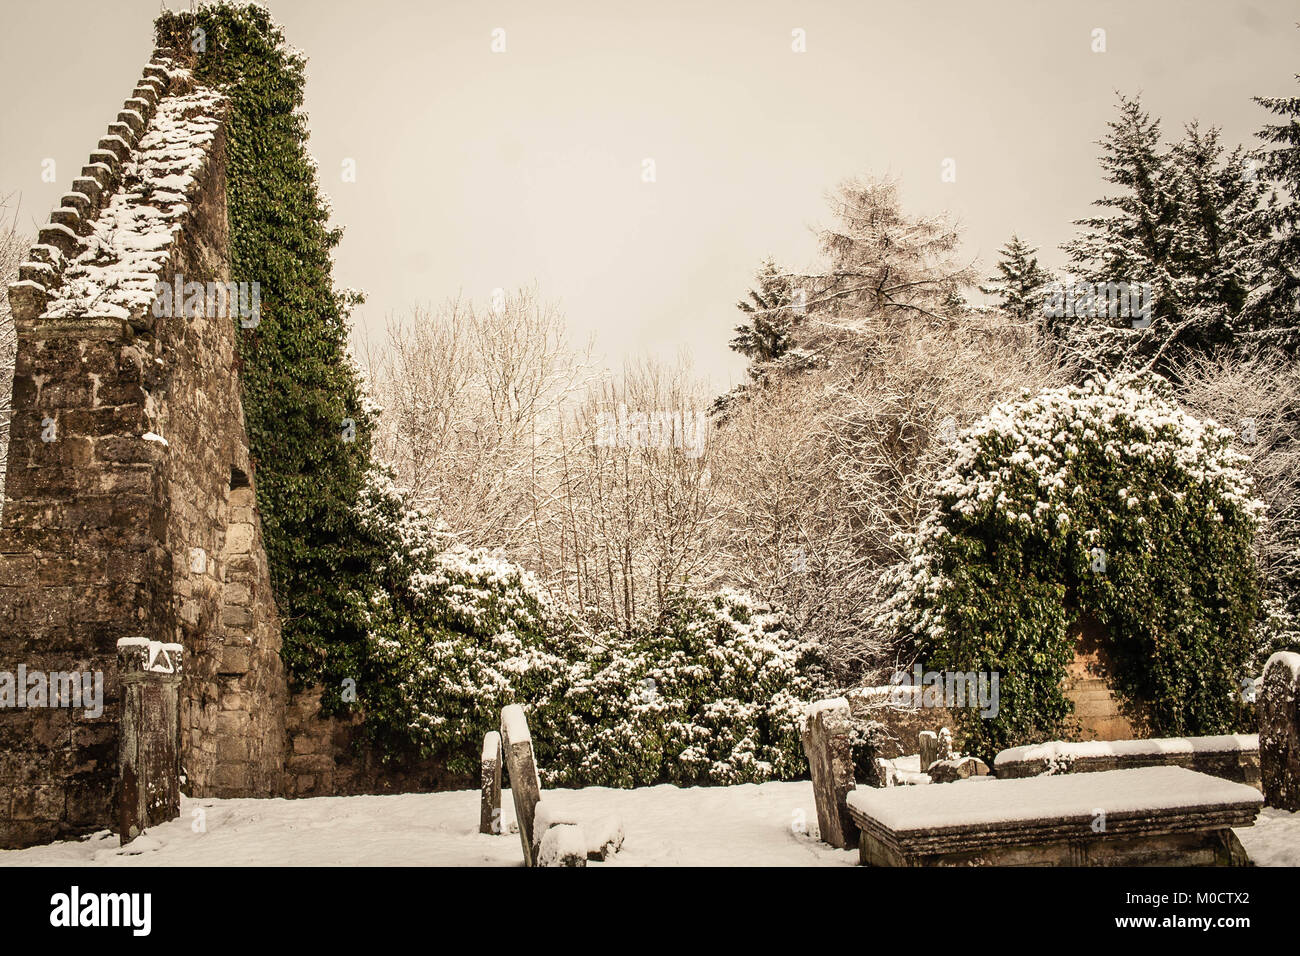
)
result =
(1257, 394)
(1104, 500)
(710, 694)
(452, 636)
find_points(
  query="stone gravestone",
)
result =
(929, 750)
(489, 815)
(525, 784)
(148, 791)
(952, 769)
(827, 743)
(1279, 731)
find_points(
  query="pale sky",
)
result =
(477, 170)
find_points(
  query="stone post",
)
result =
(828, 746)
(148, 783)
(525, 784)
(929, 751)
(489, 814)
(1279, 731)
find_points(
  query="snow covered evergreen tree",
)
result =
(1186, 222)
(1018, 286)
(773, 309)
(1274, 307)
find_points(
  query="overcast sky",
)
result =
(477, 170)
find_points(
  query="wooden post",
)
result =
(525, 784)
(489, 814)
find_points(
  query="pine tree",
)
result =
(771, 313)
(1274, 306)
(1134, 243)
(1018, 286)
(1187, 223)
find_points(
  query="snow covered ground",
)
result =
(749, 825)
(771, 824)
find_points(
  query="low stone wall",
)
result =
(892, 720)
(1232, 757)
(325, 758)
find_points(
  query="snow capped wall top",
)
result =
(106, 245)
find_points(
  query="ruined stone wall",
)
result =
(1098, 712)
(328, 757)
(129, 510)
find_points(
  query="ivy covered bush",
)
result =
(709, 694)
(1103, 500)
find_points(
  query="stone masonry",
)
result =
(130, 515)
(129, 509)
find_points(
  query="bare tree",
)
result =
(831, 453)
(472, 400)
(13, 250)
(1257, 395)
(637, 520)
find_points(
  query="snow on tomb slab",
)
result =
(1059, 799)
(1058, 749)
(491, 745)
(515, 723)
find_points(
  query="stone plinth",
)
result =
(1233, 757)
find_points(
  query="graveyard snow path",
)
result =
(748, 825)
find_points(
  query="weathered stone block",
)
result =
(827, 743)
(490, 784)
(525, 783)
(1279, 731)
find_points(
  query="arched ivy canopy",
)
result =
(1103, 500)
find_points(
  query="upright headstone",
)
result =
(148, 782)
(827, 742)
(929, 749)
(525, 784)
(489, 814)
(1279, 731)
